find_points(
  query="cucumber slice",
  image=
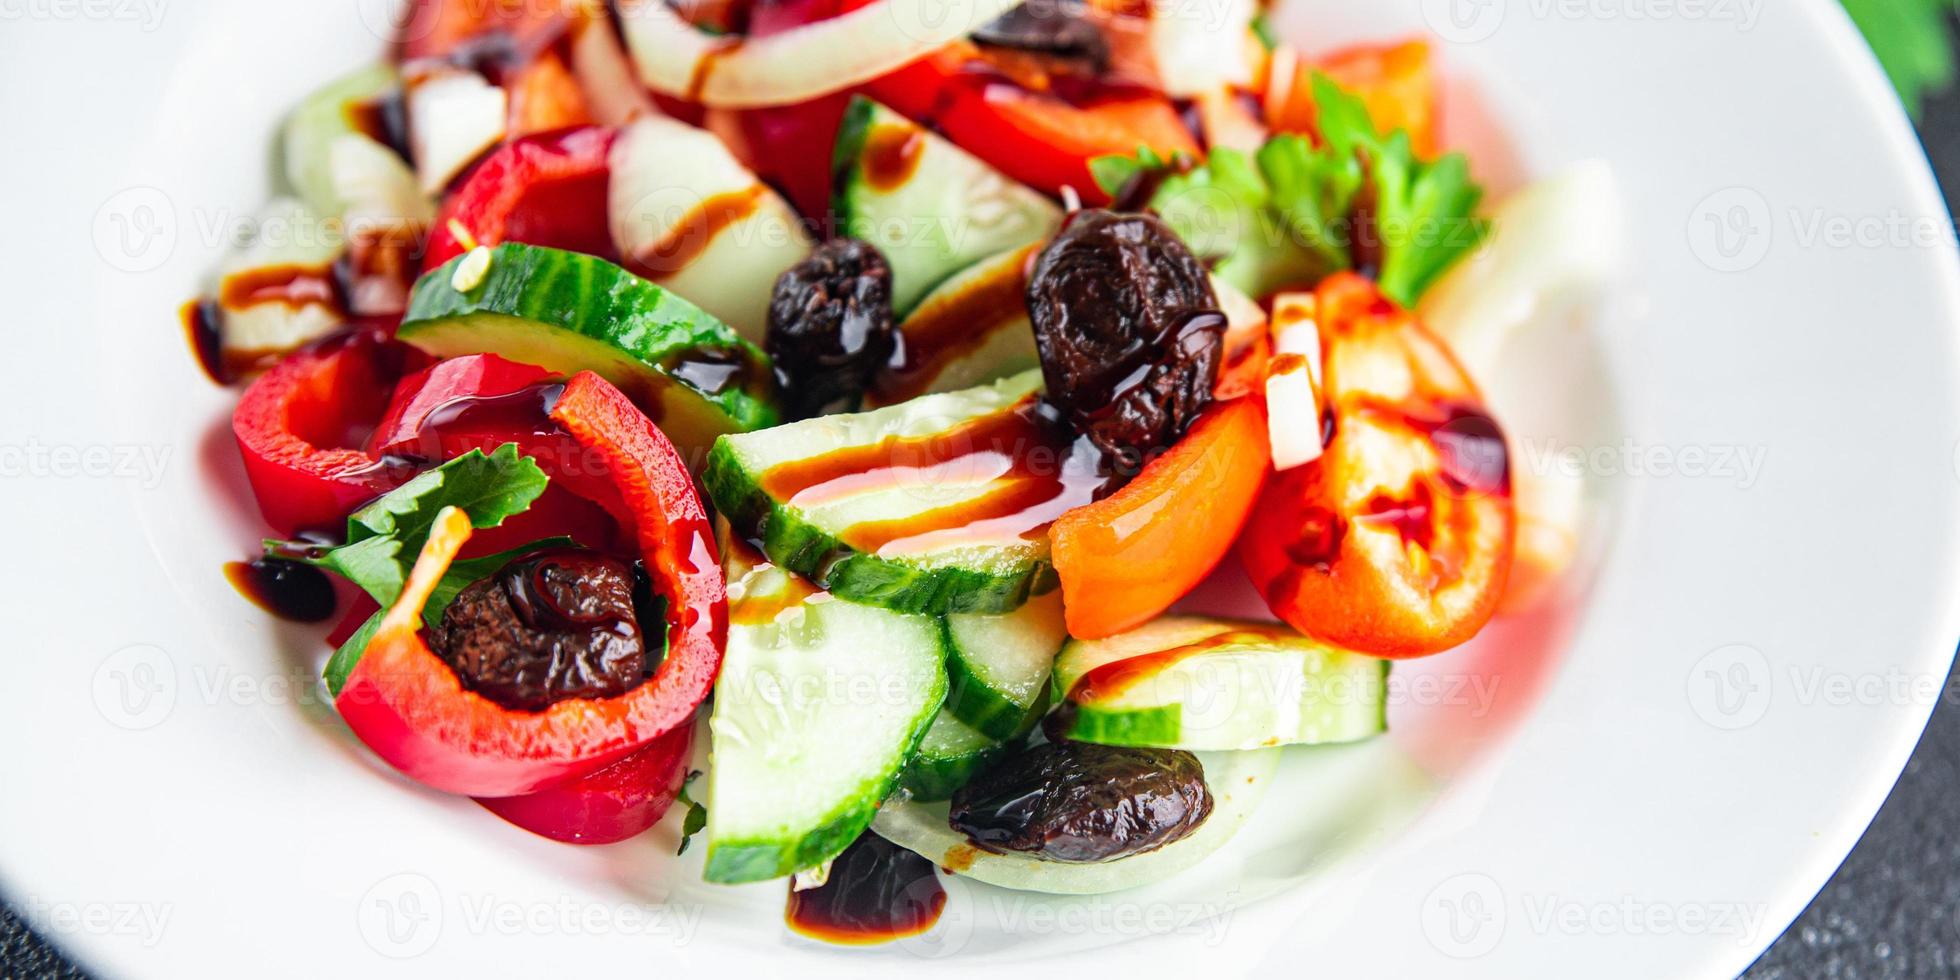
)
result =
(934, 506)
(1237, 781)
(997, 666)
(946, 758)
(1212, 684)
(970, 330)
(930, 207)
(570, 312)
(817, 708)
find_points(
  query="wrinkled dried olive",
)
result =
(552, 625)
(1129, 333)
(830, 326)
(1056, 28)
(1081, 803)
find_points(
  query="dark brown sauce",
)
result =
(876, 892)
(1112, 679)
(1317, 542)
(891, 155)
(711, 370)
(201, 318)
(287, 589)
(688, 239)
(1469, 444)
(698, 82)
(1037, 468)
(292, 285)
(383, 119)
(526, 410)
(935, 335)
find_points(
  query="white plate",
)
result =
(1651, 783)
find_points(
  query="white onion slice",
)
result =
(453, 116)
(676, 59)
(605, 76)
(1293, 391)
(663, 171)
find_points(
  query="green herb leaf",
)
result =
(1262, 28)
(1422, 214)
(1294, 212)
(488, 488)
(697, 815)
(461, 575)
(385, 537)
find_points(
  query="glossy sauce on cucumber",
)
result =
(1110, 679)
(1039, 469)
(876, 892)
(939, 332)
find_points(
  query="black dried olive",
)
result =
(551, 625)
(1129, 333)
(831, 326)
(1056, 28)
(1081, 803)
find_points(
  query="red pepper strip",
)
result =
(459, 404)
(611, 805)
(1126, 558)
(1035, 137)
(549, 189)
(298, 426)
(412, 710)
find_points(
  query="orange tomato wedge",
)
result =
(1395, 82)
(1126, 558)
(1398, 540)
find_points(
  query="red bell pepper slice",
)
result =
(1398, 540)
(429, 420)
(299, 427)
(1037, 138)
(548, 189)
(412, 710)
(608, 806)
(1126, 558)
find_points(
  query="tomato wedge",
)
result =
(1395, 82)
(1397, 542)
(1126, 558)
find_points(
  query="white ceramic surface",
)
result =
(1651, 780)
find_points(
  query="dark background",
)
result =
(1891, 911)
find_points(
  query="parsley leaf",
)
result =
(1298, 210)
(384, 538)
(697, 815)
